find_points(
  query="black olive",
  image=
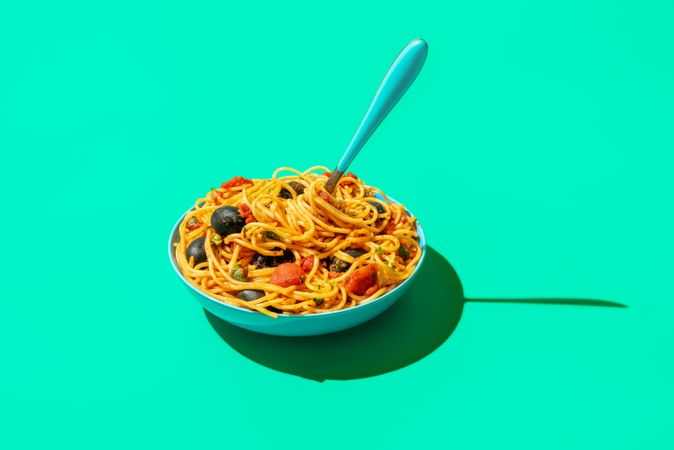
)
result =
(297, 187)
(379, 206)
(250, 294)
(337, 265)
(285, 193)
(227, 220)
(404, 252)
(261, 261)
(197, 250)
(355, 252)
(287, 256)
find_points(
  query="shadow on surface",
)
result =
(550, 301)
(412, 328)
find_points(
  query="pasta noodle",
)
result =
(285, 245)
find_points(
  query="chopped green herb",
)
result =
(379, 249)
(318, 301)
(271, 235)
(216, 239)
(239, 274)
(403, 252)
(334, 283)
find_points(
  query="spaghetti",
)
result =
(285, 245)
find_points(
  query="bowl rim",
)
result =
(174, 264)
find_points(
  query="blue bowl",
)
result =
(305, 325)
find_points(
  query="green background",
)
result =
(536, 148)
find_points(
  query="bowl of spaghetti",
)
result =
(283, 256)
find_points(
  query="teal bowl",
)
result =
(305, 325)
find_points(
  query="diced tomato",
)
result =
(307, 264)
(332, 275)
(327, 174)
(362, 280)
(372, 289)
(236, 181)
(216, 197)
(287, 274)
(324, 195)
(390, 227)
(193, 225)
(246, 213)
(413, 252)
(347, 182)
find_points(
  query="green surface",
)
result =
(536, 147)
